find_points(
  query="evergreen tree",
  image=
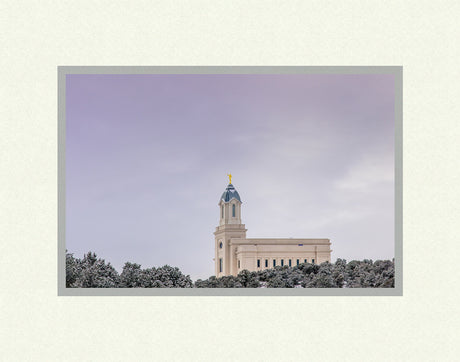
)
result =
(248, 279)
(72, 270)
(95, 273)
(91, 272)
(130, 277)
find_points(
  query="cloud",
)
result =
(369, 172)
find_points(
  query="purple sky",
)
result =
(312, 156)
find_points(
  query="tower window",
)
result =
(239, 266)
(258, 263)
(220, 245)
(266, 263)
(290, 262)
(220, 265)
(282, 262)
(233, 210)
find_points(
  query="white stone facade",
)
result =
(234, 252)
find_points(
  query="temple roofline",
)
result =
(285, 241)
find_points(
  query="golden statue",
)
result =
(229, 178)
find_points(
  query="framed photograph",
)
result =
(253, 180)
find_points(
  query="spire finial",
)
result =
(229, 178)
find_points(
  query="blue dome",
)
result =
(230, 193)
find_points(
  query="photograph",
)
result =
(229, 180)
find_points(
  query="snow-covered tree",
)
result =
(72, 270)
(248, 279)
(130, 277)
(91, 272)
(95, 273)
(165, 277)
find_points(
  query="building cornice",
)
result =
(230, 228)
(239, 241)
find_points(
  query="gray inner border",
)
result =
(64, 70)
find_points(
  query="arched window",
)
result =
(233, 210)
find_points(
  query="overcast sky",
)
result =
(312, 156)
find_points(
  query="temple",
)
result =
(234, 252)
